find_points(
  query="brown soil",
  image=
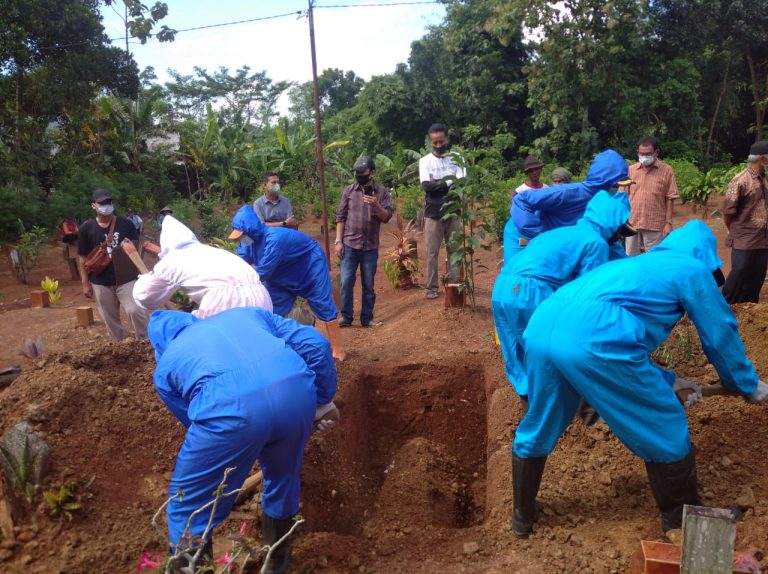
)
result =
(415, 478)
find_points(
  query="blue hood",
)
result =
(607, 169)
(538, 210)
(694, 239)
(248, 222)
(607, 213)
(165, 326)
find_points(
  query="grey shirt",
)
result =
(270, 212)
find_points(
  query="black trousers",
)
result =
(748, 267)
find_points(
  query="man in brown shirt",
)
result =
(652, 196)
(745, 212)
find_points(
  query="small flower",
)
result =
(149, 561)
(243, 527)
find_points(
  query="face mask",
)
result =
(646, 159)
(275, 189)
(106, 209)
(362, 179)
(440, 150)
(245, 240)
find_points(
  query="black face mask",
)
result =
(719, 277)
(441, 149)
(363, 179)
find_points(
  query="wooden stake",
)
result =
(40, 298)
(84, 316)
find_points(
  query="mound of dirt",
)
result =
(98, 412)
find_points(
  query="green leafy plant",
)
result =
(28, 248)
(21, 470)
(63, 502)
(467, 201)
(51, 286)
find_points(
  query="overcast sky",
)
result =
(370, 41)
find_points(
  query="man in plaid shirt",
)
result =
(363, 207)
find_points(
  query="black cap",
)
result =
(759, 148)
(100, 195)
(364, 164)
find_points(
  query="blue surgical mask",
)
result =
(245, 240)
(275, 189)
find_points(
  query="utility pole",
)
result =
(319, 136)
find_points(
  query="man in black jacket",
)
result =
(432, 169)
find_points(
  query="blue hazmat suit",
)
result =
(245, 383)
(537, 210)
(290, 264)
(593, 338)
(550, 261)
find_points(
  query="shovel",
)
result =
(706, 391)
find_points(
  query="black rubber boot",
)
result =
(273, 530)
(526, 478)
(674, 485)
(587, 413)
(524, 403)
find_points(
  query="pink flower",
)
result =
(149, 561)
(243, 527)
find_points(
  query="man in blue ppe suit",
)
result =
(248, 385)
(537, 210)
(550, 261)
(290, 264)
(593, 338)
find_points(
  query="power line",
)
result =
(297, 13)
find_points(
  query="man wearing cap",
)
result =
(364, 206)
(652, 193)
(273, 209)
(112, 287)
(745, 213)
(163, 212)
(433, 169)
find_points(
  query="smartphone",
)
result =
(368, 190)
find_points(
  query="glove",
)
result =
(326, 416)
(693, 394)
(760, 394)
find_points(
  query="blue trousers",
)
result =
(595, 351)
(514, 299)
(233, 425)
(367, 261)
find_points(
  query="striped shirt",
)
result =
(746, 201)
(361, 224)
(653, 186)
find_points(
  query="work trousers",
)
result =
(435, 232)
(748, 268)
(109, 299)
(643, 241)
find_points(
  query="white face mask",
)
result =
(245, 240)
(646, 159)
(107, 209)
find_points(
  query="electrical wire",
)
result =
(297, 13)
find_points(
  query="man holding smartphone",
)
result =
(363, 207)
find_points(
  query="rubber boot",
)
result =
(588, 415)
(674, 485)
(334, 336)
(273, 530)
(526, 478)
(524, 403)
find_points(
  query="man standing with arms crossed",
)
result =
(432, 169)
(652, 196)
